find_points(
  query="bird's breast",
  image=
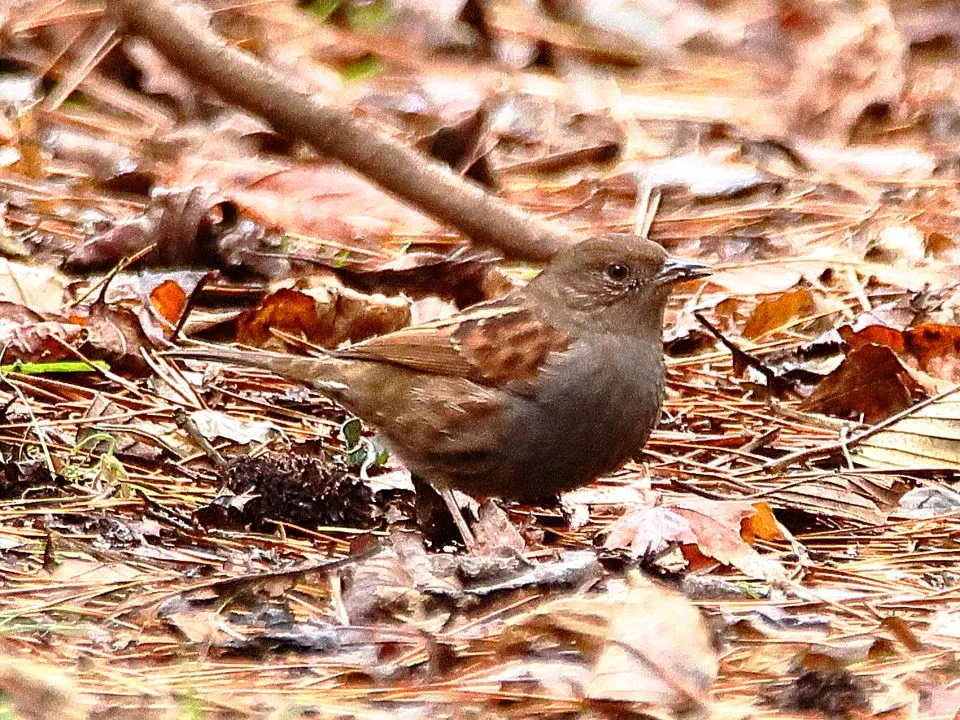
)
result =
(593, 408)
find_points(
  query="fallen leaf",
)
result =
(494, 532)
(930, 347)
(702, 528)
(26, 336)
(327, 315)
(864, 499)
(717, 527)
(851, 61)
(39, 287)
(870, 383)
(927, 438)
(214, 424)
(646, 645)
(657, 651)
(776, 312)
(169, 300)
(35, 691)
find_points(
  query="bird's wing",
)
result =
(490, 343)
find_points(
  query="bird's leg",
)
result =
(457, 514)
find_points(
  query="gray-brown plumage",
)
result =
(535, 393)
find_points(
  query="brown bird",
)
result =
(525, 396)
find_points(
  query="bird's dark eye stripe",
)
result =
(617, 271)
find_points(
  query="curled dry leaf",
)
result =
(329, 315)
(116, 335)
(863, 499)
(195, 225)
(26, 336)
(870, 383)
(929, 347)
(854, 60)
(703, 529)
(647, 645)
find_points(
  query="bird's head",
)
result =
(612, 283)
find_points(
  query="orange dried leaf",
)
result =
(289, 311)
(703, 528)
(777, 312)
(762, 524)
(169, 300)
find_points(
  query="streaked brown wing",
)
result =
(491, 343)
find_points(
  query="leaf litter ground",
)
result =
(821, 549)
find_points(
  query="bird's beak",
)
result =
(676, 270)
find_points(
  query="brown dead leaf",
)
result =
(195, 625)
(397, 585)
(328, 315)
(779, 311)
(876, 335)
(287, 311)
(937, 350)
(38, 287)
(657, 652)
(930, 347)
(33, 691)
(761, 524)
(648, 530)
(116, 335)
(494, 532)
(718, 527)
(702, 529)
(188, 225)
(26, 336)
(846, 62)
(309, 201)
(863, 499)
(647, 645)
(870, 383)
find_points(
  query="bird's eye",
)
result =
(617, 272)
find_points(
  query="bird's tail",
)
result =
(319, 372)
